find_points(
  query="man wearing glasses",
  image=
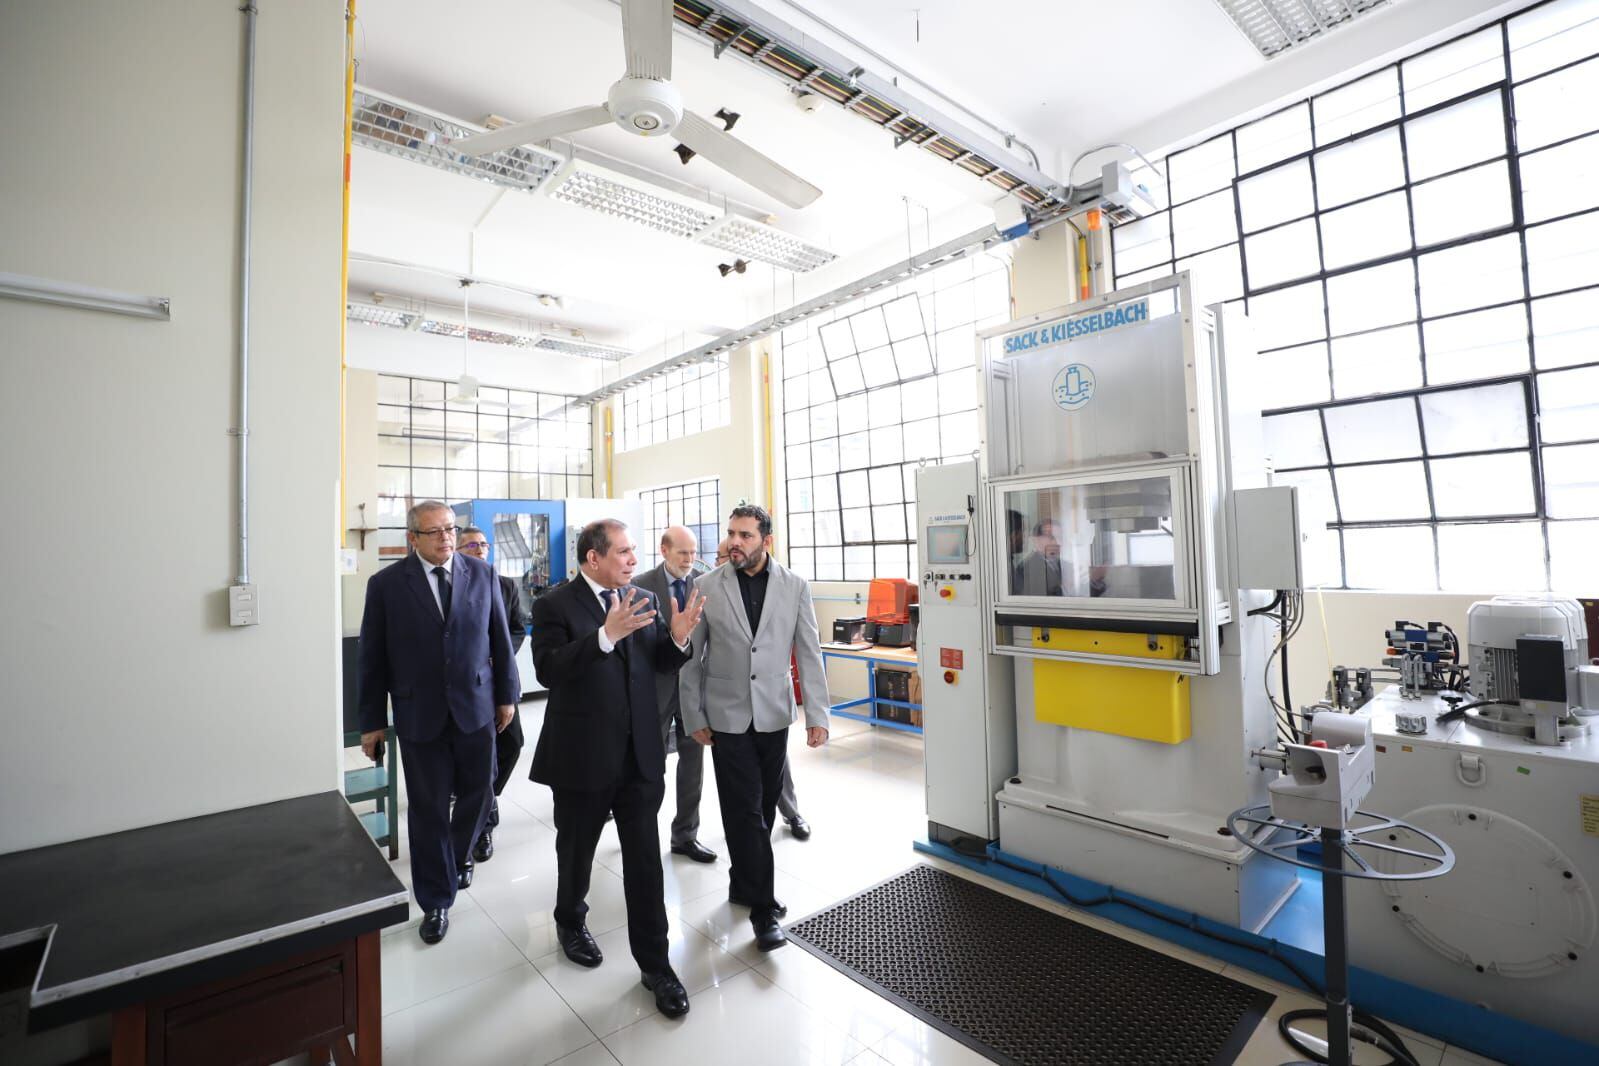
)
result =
(470, 540)
(434, 641)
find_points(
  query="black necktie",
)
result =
(606, 594)
(677, 592)
(444, 590)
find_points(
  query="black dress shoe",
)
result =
(483, 850)
(769, 935)
(579, 946)
(800, 828)
(694, 850)
(434, 926)
(670, 998)
(463, 876)
(778, 907)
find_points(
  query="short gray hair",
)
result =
(413, 517)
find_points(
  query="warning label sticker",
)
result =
(1590, 815)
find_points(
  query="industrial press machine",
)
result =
(1094, 636)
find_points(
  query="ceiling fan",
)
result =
(646, 103)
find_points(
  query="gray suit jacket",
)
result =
(735, 676)
(659, 582)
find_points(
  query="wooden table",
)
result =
(242, 937)
(872, 656)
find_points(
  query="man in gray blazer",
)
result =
(674, 580)
(738, 698)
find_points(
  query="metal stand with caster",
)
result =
(1336, 843)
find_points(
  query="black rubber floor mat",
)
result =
(1024, 985)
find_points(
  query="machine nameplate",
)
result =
(1590, 815)
(954, 659)
(1128, 314)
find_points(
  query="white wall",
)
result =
(128, 699)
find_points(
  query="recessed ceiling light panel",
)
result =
(1274, 26)
(610, 192)
(401, 129)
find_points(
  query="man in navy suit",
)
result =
(434, 639)
(598, 644)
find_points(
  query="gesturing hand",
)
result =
(684, 621)
(629, 612)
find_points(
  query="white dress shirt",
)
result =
(433, 579)
(607, 645)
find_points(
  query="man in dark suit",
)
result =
(598, 644)
(673, 580)
(434, 640)
(508, 743)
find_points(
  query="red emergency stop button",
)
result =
(949, 677)
(947, 592)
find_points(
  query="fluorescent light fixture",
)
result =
(619, 195)
(586, 349)
(67, 294)
(394, 318)
(372, 315)
(397, 128)
(754, 240)
(1274, 26)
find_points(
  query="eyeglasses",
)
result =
(473, 545)
(442, 531)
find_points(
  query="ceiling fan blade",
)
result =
(744, 162)
(647, 38)
(562, 122)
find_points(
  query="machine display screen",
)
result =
(947, 544)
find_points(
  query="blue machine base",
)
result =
(1294, 936)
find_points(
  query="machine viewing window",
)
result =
(947, 544)
(1110, 539)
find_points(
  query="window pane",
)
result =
(1552, 35)
(1472, 275)
(956, 348)
(1566, 328)
(1480, 485)
(1571, 481)
(1475, 420)
(1473, 201)
(1294, 376)
(1274, 137)
(958, 434)
(1201, 169)
(869, 329)
(1573, 564)
(1162, 271)
(1478, 345)
(837, 340)
(904, 318)
(1387, 360)
(1371, 229)
(1217, 275)
(1568, 404)
(888, 522)
(1361, 168)
(1319, 550)
(1563, 255)
(830, 564)
(1279, 195)
(858, 564)
(912, 357)
(1383, 493)
(1282, 254)
(1364, 432)
(1289, 316)
(1456, 137)
(877, 367)
(1497, 557)
(1142, 244)
(1401, 558)
(887, 444)
(847, 376)
(886, 485)
(1369, 102)
(803, 562)
(1370, 298)
(1453, 70)
(1561, 180)
(1204, 224)
(891, 560)
(1559, 106)
(1294, 440)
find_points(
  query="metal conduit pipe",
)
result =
(246, 193)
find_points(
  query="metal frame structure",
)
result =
(1419, 94)
(673, 498)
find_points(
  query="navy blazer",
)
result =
(461, 669)
(597, 699)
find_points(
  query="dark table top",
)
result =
(143, 912)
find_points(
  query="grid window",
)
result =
(1419, 258)
(677, 404)
(695, 504)
(887, 384)
(511, 445)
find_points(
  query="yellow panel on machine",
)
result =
(1128, 701)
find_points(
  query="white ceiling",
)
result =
(1063, 76)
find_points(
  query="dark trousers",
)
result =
(507, 750)
(691, 783)
(749, 777)
(452, 763)
(579, 820)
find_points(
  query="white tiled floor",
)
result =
(498, 990)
